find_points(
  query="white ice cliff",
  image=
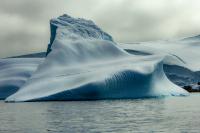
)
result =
(84, 63)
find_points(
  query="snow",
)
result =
(14, 72)
(84, 63)
(83, 28)
(183, 72)
(186, 50)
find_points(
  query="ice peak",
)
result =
(76, 26)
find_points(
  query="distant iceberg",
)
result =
(84, 63)
(183, 72)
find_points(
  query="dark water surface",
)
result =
(172, 114)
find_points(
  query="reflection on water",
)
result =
(173, 114)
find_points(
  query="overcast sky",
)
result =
(24, 24)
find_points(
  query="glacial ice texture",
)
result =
(84, 63)
(14, 72)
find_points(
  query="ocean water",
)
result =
(172, 114)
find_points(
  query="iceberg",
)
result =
(85, 63)
(184, 72)
(14, 72)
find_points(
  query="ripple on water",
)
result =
(173, 114)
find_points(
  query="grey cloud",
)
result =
(28, 9)
(159, 20)
(24, 24)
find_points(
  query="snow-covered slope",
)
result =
(185, 50)
(14, 73)
(84, 63)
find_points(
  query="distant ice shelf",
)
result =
(85, 63)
